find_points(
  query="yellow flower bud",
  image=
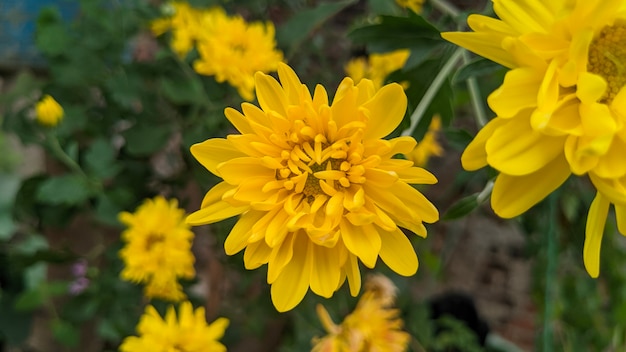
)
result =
(49, 112)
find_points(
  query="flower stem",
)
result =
(551, 261)
(432, 91)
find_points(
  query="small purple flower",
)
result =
(78, 286)
(79, 268)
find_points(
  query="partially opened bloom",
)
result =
(157, 250)
(377, 66)
(48, 111)
(561, 108)
(373, 325)
(232, 50)
(428, 146)
(189, 332)
(316, 186)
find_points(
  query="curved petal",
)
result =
(513, 195)
(596, 219)
(214, 151)
(238, 237)
(620, 215)
(398, 253)
(292, 284)
(362, 241)
(474, 156)
(215, 212)
(518, 91)
(326, 272)
(385, 111)
(270, 94)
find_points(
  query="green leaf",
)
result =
(37, 296)
(461, 208)
(293, 32)
(143, 140)
(458, 138)
(67, 189)
(393, 33)
(183, 91)
(15, 326)
(74, 120)
(65, 333)
(476, 68)
(52, 39)
(9, 185)
(125, 89)
(100, 160)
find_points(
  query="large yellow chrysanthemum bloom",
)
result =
(232, 50)
(185, 23)
(316, 185)
(428, 146)
(187, 333)
(561, 108)
(48, 111)
(372, 326)
(377, 66)
(157, 249)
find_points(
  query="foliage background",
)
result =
(133, 108)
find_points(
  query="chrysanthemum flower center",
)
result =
(316, 166)
(607, 58)
(154, 239)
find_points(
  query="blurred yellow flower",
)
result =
(184, 22)
(48, 111)
(372, 326)
(561, 108)
(157, 250)
(428, 146)
(414, 5)
(377, 66)
(189, 332)
(316, 186)
(232, 50)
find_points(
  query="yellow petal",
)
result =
(513, 195)
(256, 254)
(415, 202)
(213, 213)
(290, 287)
(326, 272)
(238, 237)
(417, 175)
(474, 156)
(516, 149)
(485, 44)
(270, 94)
(518, 91)
(362, 241)
(280, 257)
(613, 189)
(398, 253)
(238, 120)
(596, 219)
(385, 111)
(526, 15)
(237, 170)
(290, 82)
(590, 87)
(353, 274)
(214, 151)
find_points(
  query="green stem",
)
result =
(432, 91)
(445, 7)
(57, 151)
(551, 261)
(475, 97)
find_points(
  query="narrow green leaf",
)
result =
(461, 208)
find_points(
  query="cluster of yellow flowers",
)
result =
(230, 48)
(157, 249)
(316, 185)
(377, 66)
(561, 109)
(372, 326)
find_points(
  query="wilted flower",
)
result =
(48, 111)
(316, 186)
(372, 326)
(561, 108)
(187, 333)
(157, 250)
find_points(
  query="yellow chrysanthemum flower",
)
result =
(428, 146)
(158, 248)
(414, 5)
(48, 111)
(316, 185)
(187, 333)
(561, 108)
(372, 326)
(377, 66)
(185, 23)
(232, 50)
